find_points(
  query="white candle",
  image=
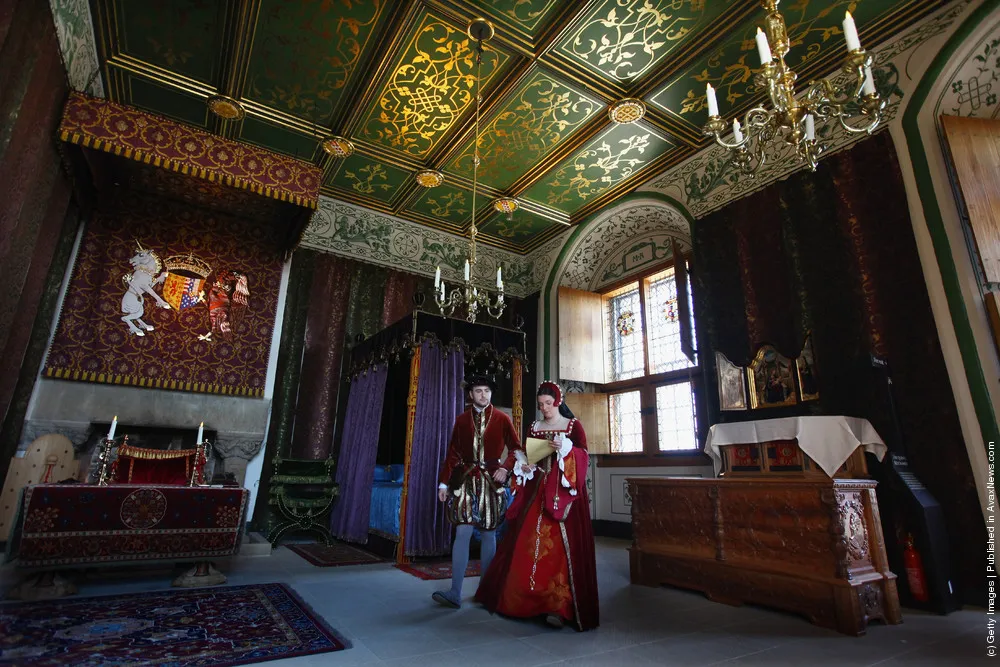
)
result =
(851, 33)
(737, 132)
(437, 277)
(713, 104)
(763, 48)
(442, 291)
(810, 127)
(466, 270)
(201, 432)
(868, 88)
(499, 278)
(114, 425)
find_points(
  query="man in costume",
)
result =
(472, 481)
(546, 566)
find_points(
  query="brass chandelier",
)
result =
(479, 30)
(790, 119)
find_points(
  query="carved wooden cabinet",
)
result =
(810, 546)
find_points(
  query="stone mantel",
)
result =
(69, 408)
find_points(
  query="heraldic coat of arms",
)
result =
(188, 281)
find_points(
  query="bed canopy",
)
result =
(406, 390)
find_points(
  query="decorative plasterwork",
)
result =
(706, 182)
(974, 87)
(358, 233)
(75, 31)
(623, 241)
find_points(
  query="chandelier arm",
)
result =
(822, 93)
(735, 145)
(810, 152)
(447, 306)
(867, 128)
(757, 117)
(823, 90)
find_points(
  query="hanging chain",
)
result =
(475, 160)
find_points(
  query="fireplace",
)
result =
(151, 418)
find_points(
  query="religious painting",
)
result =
(732, 391)
(771, 378)
(805, 365)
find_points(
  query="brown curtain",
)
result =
(347, 299)
(34, 192)
(833, 253)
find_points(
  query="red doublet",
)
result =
(499, 434)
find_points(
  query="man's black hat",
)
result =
(480, 381)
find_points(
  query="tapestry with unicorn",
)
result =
(170, 296)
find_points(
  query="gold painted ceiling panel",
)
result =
(398, 79)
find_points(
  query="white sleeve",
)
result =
(520, 461)
(565, 448)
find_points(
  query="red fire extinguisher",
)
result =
(914, 571)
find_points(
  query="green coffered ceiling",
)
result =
(397, 78)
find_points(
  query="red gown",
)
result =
(545, 563)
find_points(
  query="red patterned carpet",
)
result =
(334, 555)
(438, 569)
(221, 627)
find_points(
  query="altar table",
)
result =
(827, 440)
(60, 525)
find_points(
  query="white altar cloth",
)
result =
(829, 441)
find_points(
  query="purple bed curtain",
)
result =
(439, 401)
(356, 464)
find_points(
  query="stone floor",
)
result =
(389, 618)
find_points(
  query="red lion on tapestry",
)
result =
(228, 299)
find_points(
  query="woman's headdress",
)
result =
(556, 389)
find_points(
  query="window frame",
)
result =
(647, 383)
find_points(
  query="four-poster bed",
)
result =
(406, 390)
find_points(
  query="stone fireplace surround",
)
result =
(73, 408)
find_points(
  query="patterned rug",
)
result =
(334, 555)
(438, 569)
(221, 627)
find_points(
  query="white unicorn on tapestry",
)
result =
(147, 270)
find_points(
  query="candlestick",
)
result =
(810, 127)
(437, 277)
(851, 33)
(763, 48)
(713, 103)
(868, 88)
(114, 425)
(737, 132)
(201, 432)
(466, 270)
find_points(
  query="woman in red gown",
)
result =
(545, 564)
